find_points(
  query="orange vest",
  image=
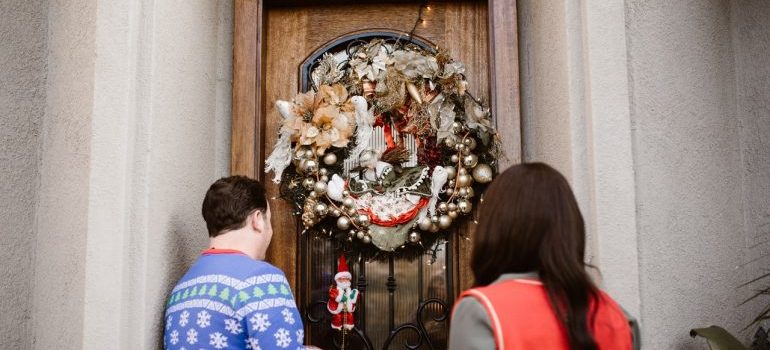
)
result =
(522, 318)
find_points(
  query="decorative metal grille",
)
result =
(403, 304)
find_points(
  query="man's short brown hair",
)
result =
(229, 201)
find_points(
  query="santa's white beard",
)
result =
(343, 285)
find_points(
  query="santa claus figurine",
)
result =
(342, 299)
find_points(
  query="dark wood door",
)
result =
(271, 43)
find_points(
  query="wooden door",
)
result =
(272, 40)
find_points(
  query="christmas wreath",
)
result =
(387, 150)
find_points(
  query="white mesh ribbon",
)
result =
(364, 122)
(280, 158)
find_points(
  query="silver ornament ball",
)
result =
(330, 159)
(319, 187)
(366, 239)
(414, 237)
(444, 221)
(343, 223)
(482, 173)
(424, 224)
(451, 172)
(470, 160)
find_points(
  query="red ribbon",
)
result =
(401, 219)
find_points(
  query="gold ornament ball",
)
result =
(443, 207)
(352, 233)
(319, 187)
(444, 222)
(470, 160)
(457, 127)
(470, 142)
(464, 180)
(363, 219)
(312, 194)
(453, 214)
(366, 239)
(311, 166)
(323, 171)
(462, 171)
(464, 206)
(470, 193)
(321, 209)
(325, 178)
(454, 158)
(414, 237)
(424, 224)
(336, 213)
(450, 191)
(309, 153)
(449, 142)
(463, 192)
(482, 173)
(343, 223)
(434, 219)
(360, 235)
(451, 172)
(434, 228)
(465, 150)
(452, 206)
(330, 159)
(348, 202)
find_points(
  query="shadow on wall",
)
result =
(182, 245)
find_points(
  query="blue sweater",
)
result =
(230, 301)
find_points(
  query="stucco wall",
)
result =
(689, 170)
(658, 113)
(751, 44)
(22, 105)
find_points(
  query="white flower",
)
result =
(184, 318)
(218, 340)
(233, 326)
(288, 317)
(301, 336)
(192, 336)
(174, 337)
(282, 338)
(259, 322)
(168, 322)
(204, 319)
(252, 343)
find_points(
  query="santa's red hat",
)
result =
(342, 269)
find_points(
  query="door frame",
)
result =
(248, 123)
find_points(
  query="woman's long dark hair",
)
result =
(530, 221)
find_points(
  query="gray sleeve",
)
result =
(471, 327)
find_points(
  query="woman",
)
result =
(532, 290)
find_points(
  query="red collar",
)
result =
(213, 251)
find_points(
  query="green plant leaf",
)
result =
(718, 338)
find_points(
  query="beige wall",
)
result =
(22, 105)
(666, 149)
(115, 119)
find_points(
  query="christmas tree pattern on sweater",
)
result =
(230, 301)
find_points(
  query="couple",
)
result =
(533, 294)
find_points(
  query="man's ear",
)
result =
(258, 221)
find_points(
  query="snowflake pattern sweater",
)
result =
(230, 301)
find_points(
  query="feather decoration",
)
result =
(439, 179)
(280, 158)
(364, 122)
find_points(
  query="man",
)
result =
(230, 298)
